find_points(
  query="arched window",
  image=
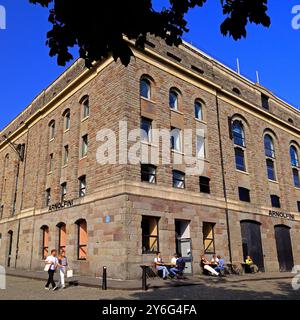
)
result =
(173, 99)
(198, 110)
(45, 242)
(82, 239)
(238, 133)
(238, 136)
(62, 237)
(85, 102)
(67, 119)
(270, 157)
(295, 165)
(145, 88)
(269, 146)
(52, 129)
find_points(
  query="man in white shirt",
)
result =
(52, 261)
(174, 260)
(160, 266)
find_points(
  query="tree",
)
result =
(98, 27)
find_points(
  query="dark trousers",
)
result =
(50, 279)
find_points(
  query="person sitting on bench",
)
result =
(221, 265)
(250, 264)
(205, 265)
(160, 267)
(180, 266)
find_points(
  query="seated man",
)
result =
(180, 266)
(214, 260)
(205, 265)
(160, 267)
(253, 267)
(221, 265)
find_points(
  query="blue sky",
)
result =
(26, 67)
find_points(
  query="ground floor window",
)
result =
(209, 237)
(62, 237)
(150, 241)
(82, 239)
(45, 242)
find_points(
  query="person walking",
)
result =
(62, 267)
(52, 263)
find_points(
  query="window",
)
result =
(148, 173)
(209, 237)
(84, 145)
(178, 179)
(176, 139)
(200, 147)
(62, 237)
(67, 120)
(198, 110)
(269, 146)
(145, 88)
(85, 107)
(1, 211)
(48, 197)
(271, 170)
(295, 166)
(270, 157)
(275, 201)
(173, 99)
(82, 186)
(150, 241)
(204, 184)
(240, 159)
(296, 178)
(63, 191)
(52, 130)
(66, 155)
(45, 242)
(298, 206)
(265, 102)
(146, 130)
(244, 194)
(51, 162)
(82, 239)
(294, 157)
(238, 134)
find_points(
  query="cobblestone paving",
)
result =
(26, 289)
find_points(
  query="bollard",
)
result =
(144, 278)
(104, 279)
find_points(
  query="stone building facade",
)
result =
(55, 193)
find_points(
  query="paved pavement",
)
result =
(278, 289)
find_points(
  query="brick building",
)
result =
(54, 193)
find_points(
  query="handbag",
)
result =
(69, 273)
(47, 267)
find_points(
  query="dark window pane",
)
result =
(238, 134)
(148, 173)
(204, 185)
(240, 159)
(275, 200)
(145, 89)
(244, 194)
(296, 178)
(271, 170)
(178, 179)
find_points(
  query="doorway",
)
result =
(10, 243)
(184, 243)
(284, 248)
(252, 244)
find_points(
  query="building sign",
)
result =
(277, 214)
(61, 205)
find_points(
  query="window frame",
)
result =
(177, 172)
(79, 245)
(176, 142)
(84, 145)
(146, 81)
(145, 172)
(240, 152)
(244, 194)
(63, 191)
(203, 185)
(48, 197)
(196, 114)
(44, 248)
(275, 201)
(82, 181)
(149, 123)
(85, 107)
(174, 105)
(148, 237)
(213, 225)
